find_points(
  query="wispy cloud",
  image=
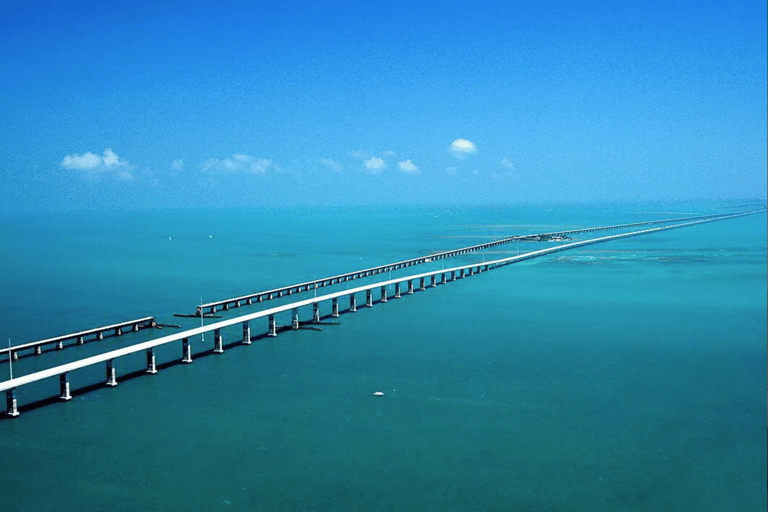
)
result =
(330, 164)
(462, 147)
(178, 165)
(375, 164)
(408, 166)
(239, 162)
(92, 164)
(506, 170)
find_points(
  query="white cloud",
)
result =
(330, 163)
(93, 164)
(177, 165)
(408, 166)
(390, 154)
(238, 162)
(507, 172)
(375, 164)
(462, 147)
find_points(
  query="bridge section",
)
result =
(442, 276)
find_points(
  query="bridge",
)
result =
(262, 296)
(430, 279)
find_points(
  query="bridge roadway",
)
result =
(257, 297)
(98, 333)
(62, 371)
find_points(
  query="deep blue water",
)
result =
(626, 376)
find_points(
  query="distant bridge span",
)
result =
(257, 297)
(445, 276)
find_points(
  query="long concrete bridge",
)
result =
(431, 278)
(262, 296)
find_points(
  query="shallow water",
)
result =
(623, 376)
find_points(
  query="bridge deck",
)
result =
(10, 385)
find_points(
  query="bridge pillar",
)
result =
(453, 275)
(11, 404)
(111, 374)
(99, 335)
(60, 345)
(369, 298)
(225, 306)
(295, 318)
(422, 287)
(316, 312)
(151, 368)
(383, 294)
(249, 301)
(80, 340)
(135, 327)
(118, 331)
(397, 290)
(64, 387)
(352, 303)
(15, 355)
(259, 298)
(410, 287)
(38, 350)
(246, 333)
(218, 342)
(186, 351)
(433, 281)
(272, 332)
(335, 307)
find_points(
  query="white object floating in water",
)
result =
(378, 393)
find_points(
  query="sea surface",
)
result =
(626, 376)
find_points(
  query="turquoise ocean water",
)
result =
(626, 376)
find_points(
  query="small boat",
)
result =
(378, 393)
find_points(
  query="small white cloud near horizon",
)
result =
(239, 162)
(375, 164)
(463, 147)
(177, 165)
(93, 164)
(408, 166)
(330, 163)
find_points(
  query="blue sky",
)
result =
(159, 104)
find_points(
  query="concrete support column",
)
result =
(471, 270)
(64, 387)
(410, 287)
(433, 281)
(60, 345)
(135, 327)
(453, 275)
(151, 368)
(335, 307)
(272, 332)
(246, 333)
(295, 318)
(186, 351)
(422, 286)
(11, 405)
(15, 355)
(397, 290)
(249, 301)
(316, 312)
(213, 309)
(99, 335)
(369, 298)
(119, 331)
(111, 374)
(80, 340)
(218, 342)
(38, 350)
(352, 303)
(225, 306)
(383, 294)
